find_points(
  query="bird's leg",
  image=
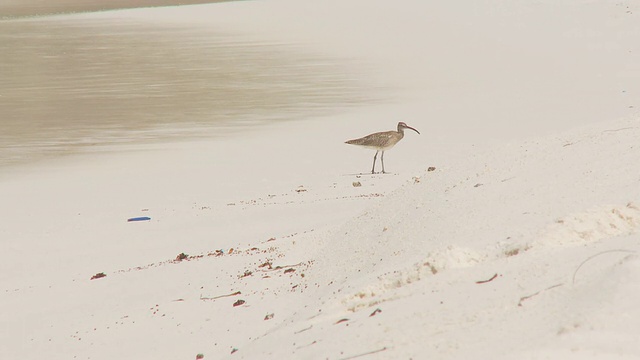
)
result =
(382, 161)
(374, 162)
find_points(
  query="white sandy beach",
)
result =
(521, 244)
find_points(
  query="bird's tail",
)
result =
(354, 142)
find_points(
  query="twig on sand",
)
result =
(624, 128)
(304, 346)
(303, 330)
(536, 293)
(220, 296)
(486, 281)
(596, 255)
(365, 354)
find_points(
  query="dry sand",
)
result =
(522, 243)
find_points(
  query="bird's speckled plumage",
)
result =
(379, 141)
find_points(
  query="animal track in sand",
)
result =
(262, 202)
(301, 195)
(383, 289)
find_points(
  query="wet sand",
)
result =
(20, 8)
(72, 83)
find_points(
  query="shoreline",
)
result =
(78, 77)
(16, 9)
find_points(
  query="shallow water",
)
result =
(71, 84)
(20, 8)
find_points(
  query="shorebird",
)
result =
(381, 141)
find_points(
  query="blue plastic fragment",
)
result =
(141, 218)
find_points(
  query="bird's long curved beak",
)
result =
(409, 127)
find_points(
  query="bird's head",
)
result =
(402, 126)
